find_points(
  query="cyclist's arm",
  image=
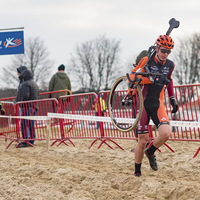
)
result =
(171, 97)
(170, 87)
(141, 64)
(139, 67)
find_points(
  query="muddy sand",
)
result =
(79, 173)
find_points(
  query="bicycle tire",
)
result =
(118, 111)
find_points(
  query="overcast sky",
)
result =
(63, 24)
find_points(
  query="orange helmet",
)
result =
(165, 41)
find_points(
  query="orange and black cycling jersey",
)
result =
(166, 69)
(153, 96)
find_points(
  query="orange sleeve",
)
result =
(141, 64)
(139, 67)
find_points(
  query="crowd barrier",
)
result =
(184, 126)
(11, 126)
(8, 126)
(42, 95)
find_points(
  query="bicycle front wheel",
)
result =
(125, 110)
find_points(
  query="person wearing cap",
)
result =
(59, 81)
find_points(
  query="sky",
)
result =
(63, 24)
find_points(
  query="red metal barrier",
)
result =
(187, 97)
(84, 104)
(42, 95)
(8, 126)
(189, 110)
(81, 104)
(109, 130)
(8, 99)
(32, 130)
(45, 95)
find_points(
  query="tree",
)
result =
(96, 63)
(187, 60)
(187, 65)
(35, 58)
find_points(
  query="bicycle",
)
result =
(126, 105)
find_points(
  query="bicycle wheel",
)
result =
(125, 110)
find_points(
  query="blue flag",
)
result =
(11, 42)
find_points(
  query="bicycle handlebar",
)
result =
(145, 74)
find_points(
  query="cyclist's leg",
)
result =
(139, 149)
(159, 116)
(142, 127)
(143, 137)
(161, 120)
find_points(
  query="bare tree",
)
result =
(187, 60)
(34, 58)
(187, 64)
(96, 63)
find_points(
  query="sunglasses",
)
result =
(168, 51)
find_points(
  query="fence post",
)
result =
(48, 133)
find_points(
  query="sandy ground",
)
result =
(79, 173)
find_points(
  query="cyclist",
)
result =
(154, 105)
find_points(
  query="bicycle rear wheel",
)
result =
(125, 110)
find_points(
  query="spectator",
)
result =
(28, 91)
(21, 80)
(59, 81)
(95, 106)
(2, 109)
(103, 105)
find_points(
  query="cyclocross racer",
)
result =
(153, 103)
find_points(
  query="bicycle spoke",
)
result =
(124, 108)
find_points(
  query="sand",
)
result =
(79, 173)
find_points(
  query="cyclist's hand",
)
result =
(161, 80)
(174, 104)
(2, 109)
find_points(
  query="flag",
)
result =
(11, 42)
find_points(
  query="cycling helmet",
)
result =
(165, 41)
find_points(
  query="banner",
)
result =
(11, 42)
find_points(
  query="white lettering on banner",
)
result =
(0, 44)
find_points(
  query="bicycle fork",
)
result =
(131, 90)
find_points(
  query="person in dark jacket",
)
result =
(21, 80)
(28, 91)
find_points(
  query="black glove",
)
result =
(2, 109)
(161, 80)
(174, 104)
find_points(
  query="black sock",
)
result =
(138, 168)
(151, 150)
